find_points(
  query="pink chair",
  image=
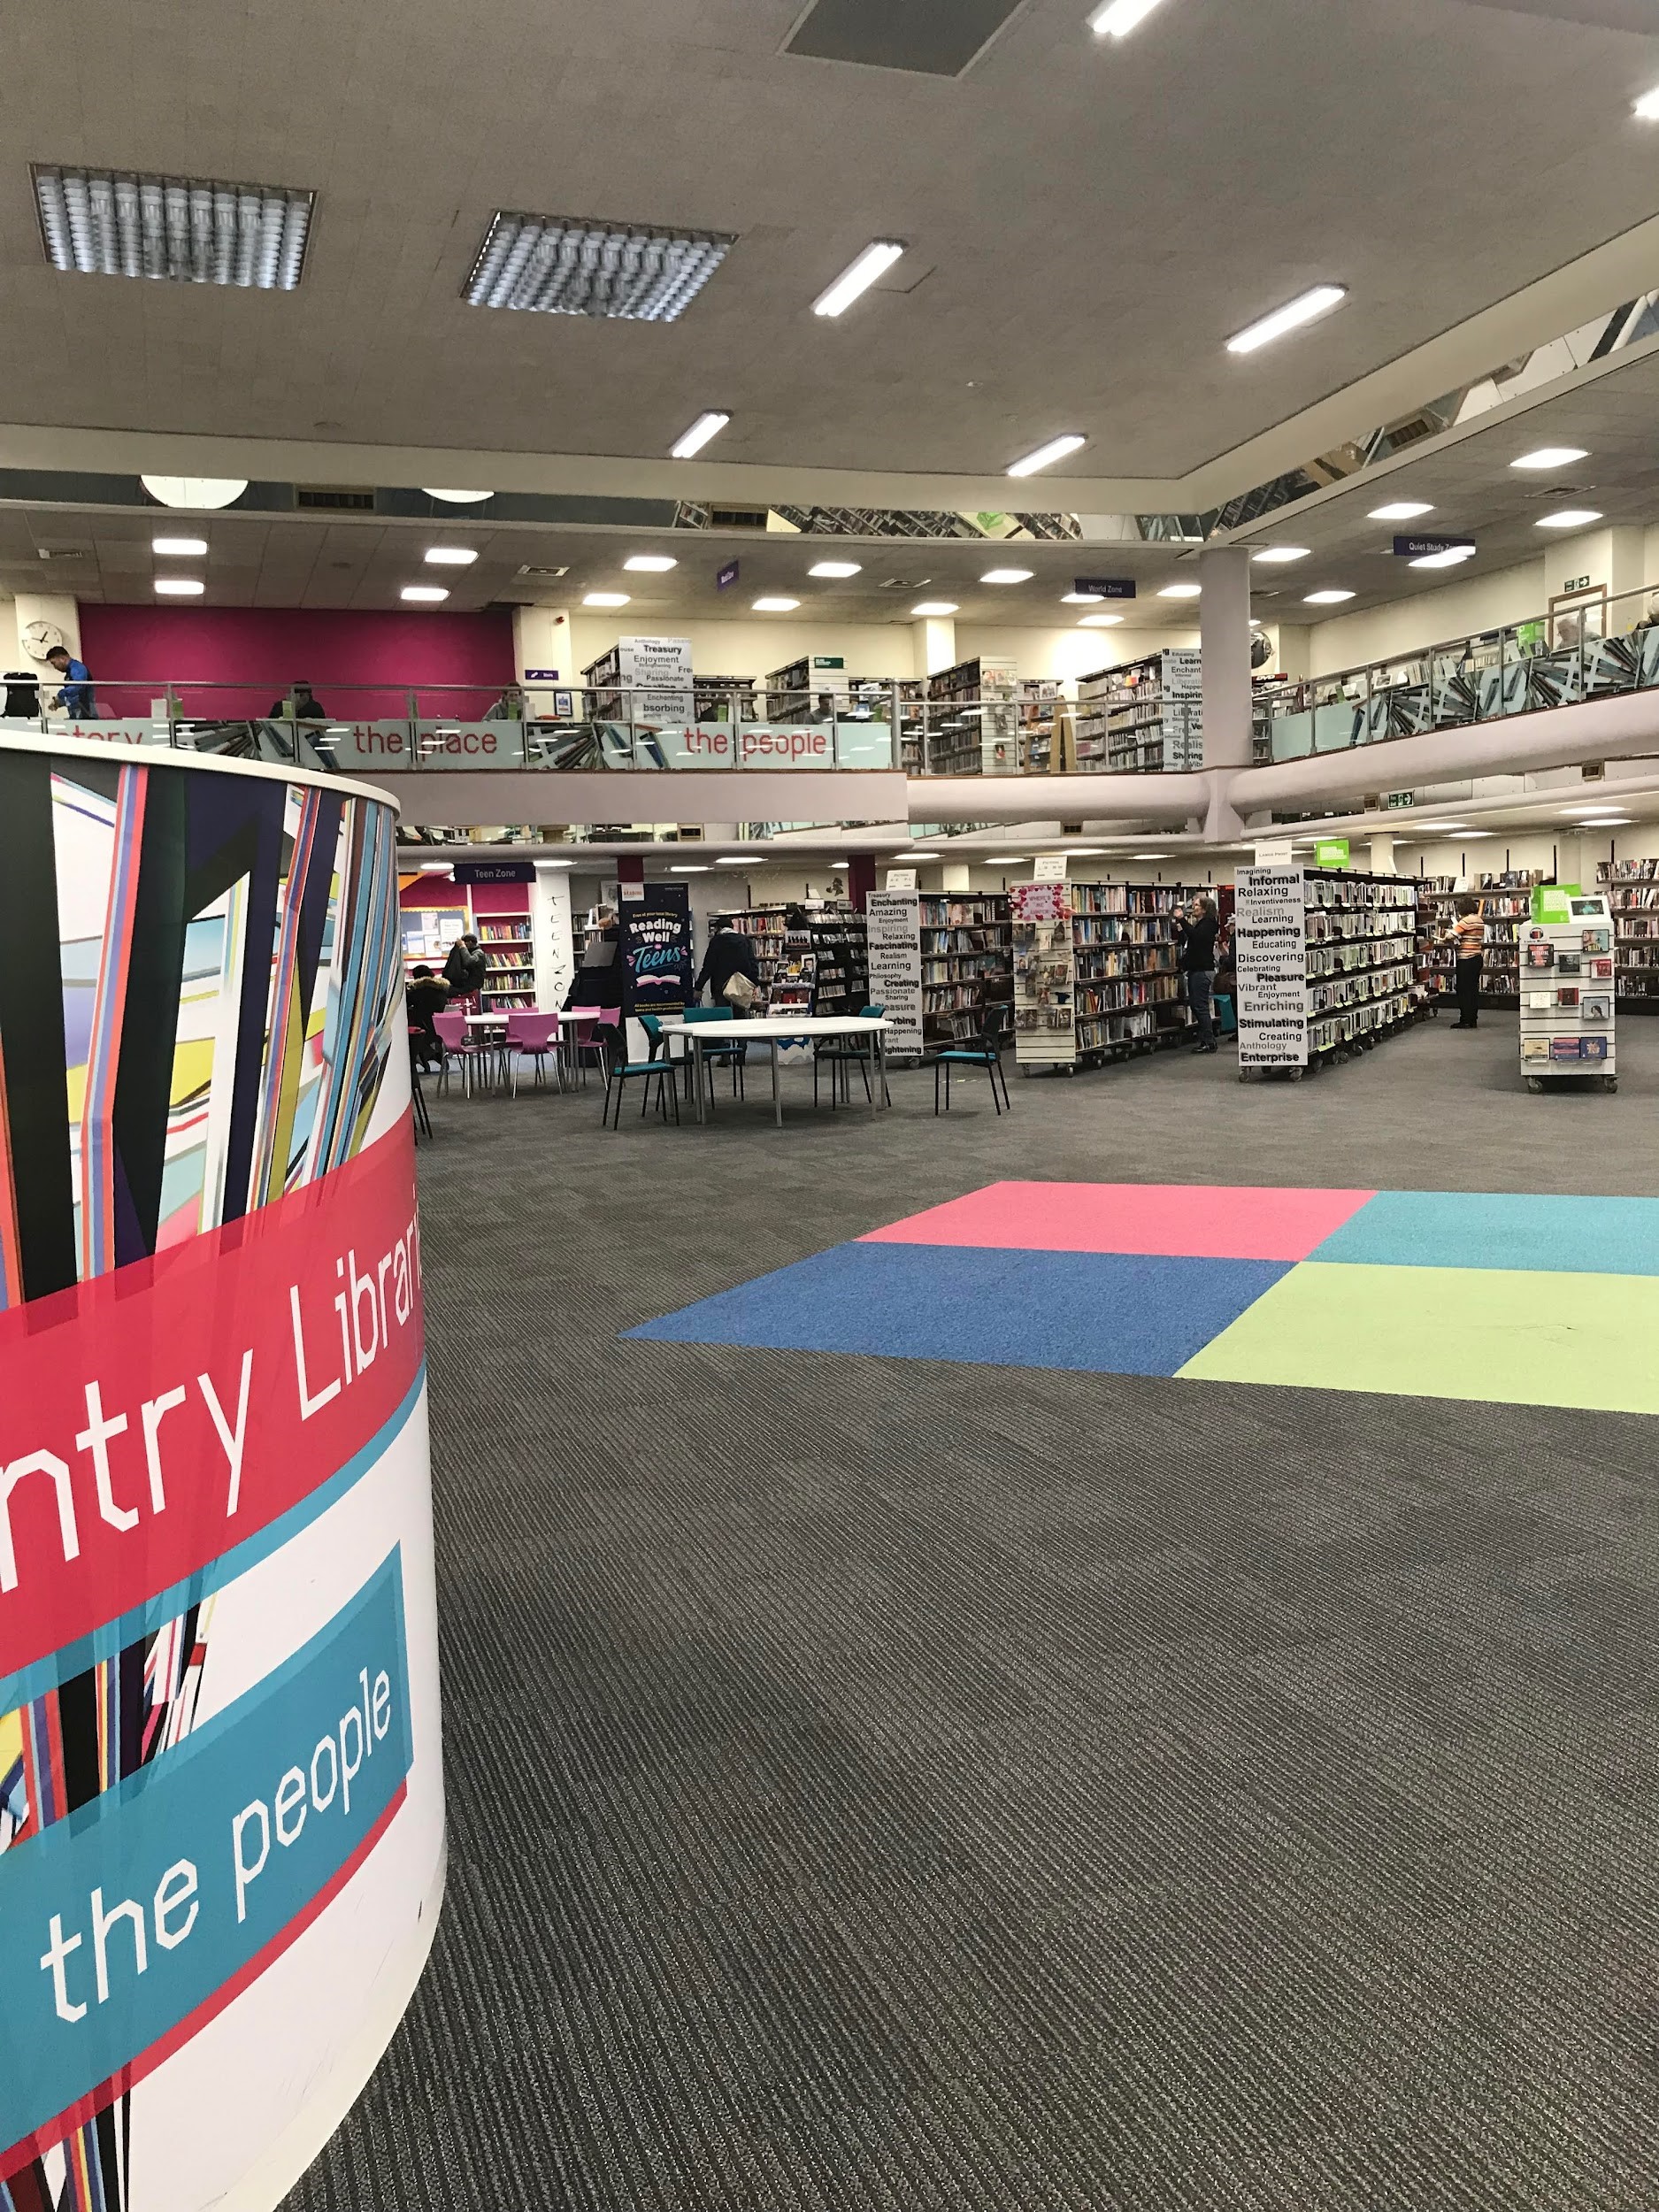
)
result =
(460, 1044)
(586, 1025)
(530, 1036)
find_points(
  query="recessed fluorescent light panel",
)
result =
(1099, 621)
(1046, 456)
(451, 556)
(651, 563)
(1648, 106)
(727, 861)
(1181, 591)
(835, 568)
(101, 222)
(1119, 18)
(1452, 557)
(552, 265)
(1282, 553)
(179, 586)
(876, 260)
(707, 426)
(185, 546)
(451, 497)
(1402, 510)
(428, 592)
(776, 606)
(1006, 576)
(1569, 519)
(935, 606)
(1081, 598)
(1306, 309)
(1552, 456)
(1326, 598)
(605, 599)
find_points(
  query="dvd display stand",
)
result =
(1568, 997)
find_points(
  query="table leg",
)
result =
(697, 1076)
(777, 1095)
(875, 1075)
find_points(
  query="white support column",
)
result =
(934, 639)
(542, 639)
(1224, 631)
(551, 943)
(1382, 856)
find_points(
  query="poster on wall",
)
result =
(1270, 941)
(657, 958)
(894, 943)
(221, 1813)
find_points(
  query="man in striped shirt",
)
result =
(1470, 933)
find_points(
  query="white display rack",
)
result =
(1568, 987)
(1095, 970)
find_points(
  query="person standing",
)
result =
(1469, 935)
(76, 696)
(731, 953)
(1195, 954)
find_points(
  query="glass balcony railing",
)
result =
(1591, 647)
(377, 730)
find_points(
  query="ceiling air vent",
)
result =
(904, 583)
(335, 498)
(935, 38)
(737, 517)
(548, 575)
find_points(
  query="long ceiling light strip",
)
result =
(856, 279)
(1306, 308)
(101, 222)
(551, 265)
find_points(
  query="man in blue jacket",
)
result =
(76, 695)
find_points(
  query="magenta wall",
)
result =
(267, 647)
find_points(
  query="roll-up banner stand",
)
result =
(221, 1810)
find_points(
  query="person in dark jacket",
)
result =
(466, 970)
(1195, 951)
(426, 994)
(731, 952)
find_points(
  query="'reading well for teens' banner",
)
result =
(221, 1821)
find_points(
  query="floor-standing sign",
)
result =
(1045, 994)
(893, 921)
(1269, 940)
(657, 963)
(221, 1792)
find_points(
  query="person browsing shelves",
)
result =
(1196, 953)
(1469, 933)
(731, 953)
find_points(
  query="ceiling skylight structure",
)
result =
(552, 265)
(102, 222)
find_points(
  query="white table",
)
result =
(776, 1029)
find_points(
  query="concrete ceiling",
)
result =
(1467, 480)
(255, 561)
(1087, 223)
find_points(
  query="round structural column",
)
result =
(221, 1805)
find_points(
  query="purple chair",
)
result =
(532, 1037)
(458, 1044)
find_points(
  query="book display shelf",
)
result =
(712, 698)
(1567, 1002)
(967, 968)
(820, 969)
(1632, 887)
(1327, 961)
(1042, 711)
(1436, 955)
(1096, 973)
(505, 945)
(972, 726)
(1145, 715)
(1505, 904)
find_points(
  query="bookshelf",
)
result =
(967, 968)
(1631, 889)
(505, 943)
(1095, 970)
(1436, 956)
(913, 727)
(972, 718)
(1143, 715)
(822, 968)
(1342, 988)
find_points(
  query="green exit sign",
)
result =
(1329, 852)
(1403, 798)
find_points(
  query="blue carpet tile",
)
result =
(1100, 1312)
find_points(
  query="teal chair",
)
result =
(657, 1064)
(982, 1053)
(842, 1055)
(734, 1056)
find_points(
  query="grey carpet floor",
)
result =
(881, 1785)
